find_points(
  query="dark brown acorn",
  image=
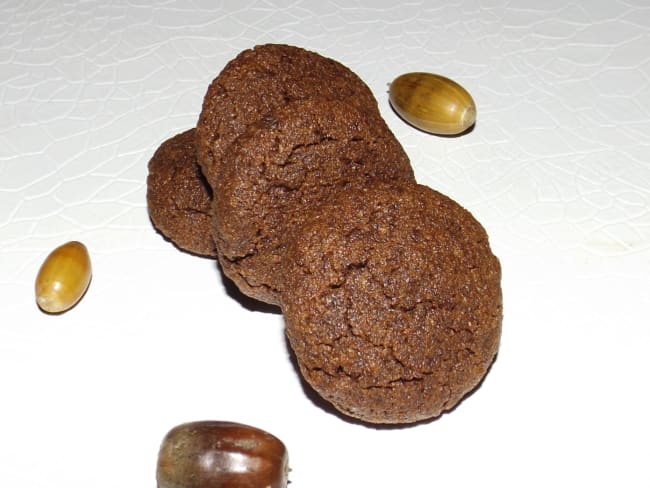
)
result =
(211, 454)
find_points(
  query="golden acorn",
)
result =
(63, 277)
(432, 103)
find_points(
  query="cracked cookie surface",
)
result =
(178, 197)
(257, 82)
(283, 165)
(392, 302)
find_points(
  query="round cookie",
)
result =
(260, 80)
(178, 197)
(392, 302)
(282, 166)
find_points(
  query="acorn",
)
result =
(213, 453)
(63, 278)
(432, 103)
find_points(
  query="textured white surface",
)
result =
(557, 169)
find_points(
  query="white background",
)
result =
(557, 169)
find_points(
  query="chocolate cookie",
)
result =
(284, 165)
(259, 81)
(392, 302)
(178, 197)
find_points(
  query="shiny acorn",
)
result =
(212, 453)
(63, 278)
(432, 103)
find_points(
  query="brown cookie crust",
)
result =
(178, 197)
(259, 81)
(392, 302)
(281, 167)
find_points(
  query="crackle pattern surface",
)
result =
(556, 170)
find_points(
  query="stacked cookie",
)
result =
(292, 179)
